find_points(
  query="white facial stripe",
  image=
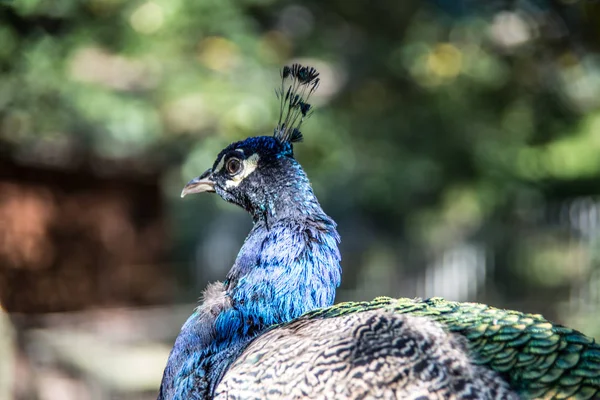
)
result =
(219, 166)
(250, 164)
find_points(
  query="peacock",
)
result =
(270, 329)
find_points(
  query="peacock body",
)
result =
(270, 330)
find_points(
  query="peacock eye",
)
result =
(233, 166)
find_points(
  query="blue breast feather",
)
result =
(282, 271)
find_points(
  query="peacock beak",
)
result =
(200, 184)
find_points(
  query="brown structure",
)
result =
(74, 237)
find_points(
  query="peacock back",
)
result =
(416, 349)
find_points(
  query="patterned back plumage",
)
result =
(373, 354)
(410, 348)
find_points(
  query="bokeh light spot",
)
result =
(218, 53)
(445, 61)
(147, 18)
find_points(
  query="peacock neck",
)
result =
(287, 266)
(282, 193)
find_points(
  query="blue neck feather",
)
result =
(289, 264)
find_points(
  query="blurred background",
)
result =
(456, 143)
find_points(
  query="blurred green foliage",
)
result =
(438, 123)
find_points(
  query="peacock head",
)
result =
(260, 173)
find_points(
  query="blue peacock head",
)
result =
(260, 173)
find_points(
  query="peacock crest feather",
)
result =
(298, 83)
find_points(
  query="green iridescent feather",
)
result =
(541, 360)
